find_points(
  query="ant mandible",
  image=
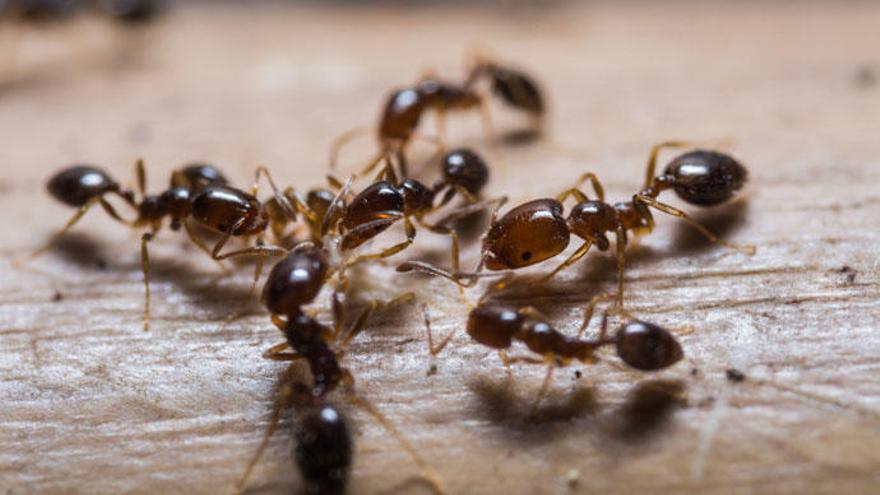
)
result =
(639, 344)
(198, 192)
(294, 282)
(537, 230)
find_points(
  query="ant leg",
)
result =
(141, 176)
(373, 306)
(545, 385)
(276, 353)
(201, 244)
(385, 423)
(390, 251)
(341, 141)
(285, 398)
(670, 210)
(75, 218)
(421, 266)
(588, 315)
(258, 270)
(621, 262)
(383, 155)
(336, 205)
(578, 194)
(280, 198)
(471, 208)
(575, 256)
(508, 360)
(434, 350)
(402, 162)
(145, 266)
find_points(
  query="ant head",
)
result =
(401, 115)
(295, 280)
(527, 234)
(591, 219)
(706, 178)
(463, 167)
(646, 346)
(417, 197)
(494, 325)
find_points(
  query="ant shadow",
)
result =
(644, 415)
(499, 403)
(84, 251)
(721, 220)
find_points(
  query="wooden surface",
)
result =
(92, 404)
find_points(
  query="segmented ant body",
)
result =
(198, 192)
(294, 282)
(498, 325)
(537, 230)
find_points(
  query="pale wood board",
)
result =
(92, 404)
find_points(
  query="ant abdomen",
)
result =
(706, 178)
(295, 281)
(323, 450)
(221, 208)
(77, 185)
(517, 89)
(646, 346)
(530, 233)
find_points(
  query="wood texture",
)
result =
(92, 404)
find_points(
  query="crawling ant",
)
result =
(198, 192)
(402, 113)
(294, 282)
(537, 230)
(639, 344)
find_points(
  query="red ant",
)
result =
(296, 281)
(536, 230)
(639, 344)
(198, 192)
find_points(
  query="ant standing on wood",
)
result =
(537, 230)
(639, 344)
(198, 192)
(296, 281)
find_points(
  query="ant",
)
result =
(537, 230)
(387, 201)
(404, 108)
(296, 281)
(198, 192)
(639, 344)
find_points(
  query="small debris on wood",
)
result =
(57, 296)
(734, 375)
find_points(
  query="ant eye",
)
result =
(526, 256)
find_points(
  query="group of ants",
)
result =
(319, 236)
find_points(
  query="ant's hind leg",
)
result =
(341, 141)
(670, 210)
(201, 245)
(145, 266)
(574, 258)
(430, 475)
(285, 398)
(76, 218)
(434, 349)
(621, 263)
(391, 251)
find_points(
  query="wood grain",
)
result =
(92, 404)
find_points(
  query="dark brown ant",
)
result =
(639, 344)
(402, 114)
(198, 192)
(294, 282)
(537, 230)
